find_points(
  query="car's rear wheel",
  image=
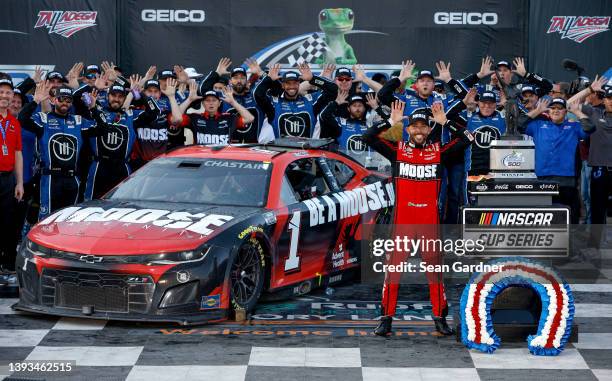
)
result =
(247, 275)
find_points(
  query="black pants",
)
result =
(103, 176)
(27, 208)
(601, 186)
(568, 195)
(56, 192)
(8, 242)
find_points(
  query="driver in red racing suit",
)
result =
(417, 166)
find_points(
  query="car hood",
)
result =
(122, 227)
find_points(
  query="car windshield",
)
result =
(199, 181)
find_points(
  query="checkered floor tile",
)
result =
(103, 350)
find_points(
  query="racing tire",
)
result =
(247, 275)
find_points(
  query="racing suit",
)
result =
(60, 139)
(295, 117)
(113, 147)
(213, 129)
(176, 136)
(347, 132)
(413, 101)
(250, 132)
(417, 184)
(152, 137)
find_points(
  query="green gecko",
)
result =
(335, 22)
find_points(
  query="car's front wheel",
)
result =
(247, 275)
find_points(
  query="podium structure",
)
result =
(511, 203)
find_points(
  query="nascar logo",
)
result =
(578, 28)
(66, 23)
(505, 218)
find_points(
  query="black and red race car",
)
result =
(201, 231)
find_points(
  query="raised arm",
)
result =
(170, 92)
(26, 117)
(260, 93)
(330, 128)
(193, 97)
(329, 90)
(228, 98)
(593, 88)
(360, 76)
(374, 136)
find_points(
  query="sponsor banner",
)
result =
(318, 32)
(500, 186)
(528, 232)
(327, 311)
(57, 33)
(569, 29)
(266, 331)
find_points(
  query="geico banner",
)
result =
(57, 33)
(378, 35)
(578, 30)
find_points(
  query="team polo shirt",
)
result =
(12, 130)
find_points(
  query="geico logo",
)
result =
(152, 134)
(465, 18)
(524, 218)
(212, 139)
(412, 171)
(201, 223)
(519, 186)
(173, 15)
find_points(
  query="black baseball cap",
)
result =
(56, 75)
(502, 63)
(166, 74)
(527, 89)
(152, 82)
(438, 83)
(63, 91)
(238, 70)
(422, 114)
(344, 72)
(425, 73)
(24, 98)
(608, 92)
(92, 69)
(116, 88)
(356, 98)
(8, 82)
(487, 96)
(559, 101)
(212, 93)
(291, 76)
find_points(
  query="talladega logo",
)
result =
(578, 28)
(66, 23)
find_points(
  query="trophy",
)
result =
(512, 157)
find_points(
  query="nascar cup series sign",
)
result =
(528, 232)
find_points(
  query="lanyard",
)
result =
(3, 131)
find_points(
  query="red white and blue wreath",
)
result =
(555, 323)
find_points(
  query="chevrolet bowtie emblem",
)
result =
(90, 259)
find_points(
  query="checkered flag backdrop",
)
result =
(312, 48)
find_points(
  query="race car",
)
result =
(203, 231)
